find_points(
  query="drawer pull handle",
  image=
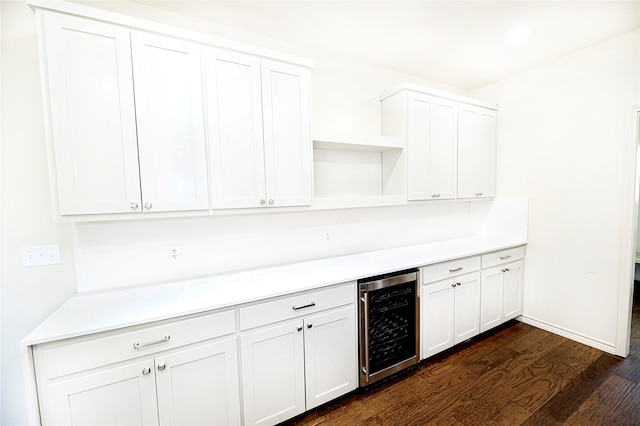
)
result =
(146, 371)
(505, 257)
(162, 366)
(459, 268)
(138, 345)
(295, 308)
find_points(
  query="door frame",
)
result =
(629, 232)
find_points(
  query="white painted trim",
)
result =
(439, 93)
(31, 392)
(155, 27)
(628, 232)
(598, 344)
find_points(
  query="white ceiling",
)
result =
(464, 44)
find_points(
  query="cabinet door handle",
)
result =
(134, 206)
(299, 328)
(309, 325)
(453, 285)
(162, 366)
(478, 194)
(148, 206)
(271, 202)
(146, 371)
(458, 283)
(262, 202)
(505, 257)
(295, 308)
(459, 268)
(138, 345)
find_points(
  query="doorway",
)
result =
(628, 298)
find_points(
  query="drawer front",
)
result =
(453, 268)
(75, 355)
(296, 306)
(503, 256)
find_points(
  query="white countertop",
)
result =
(96, 312)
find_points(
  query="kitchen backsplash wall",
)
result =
(120, 254)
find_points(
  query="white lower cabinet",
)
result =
(450, 312)
(121, 395)
(193, 384)
(501, 294)
(301, 362)
(199, 386)
(502, 287)
(465, 297)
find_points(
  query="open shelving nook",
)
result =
(358, 171)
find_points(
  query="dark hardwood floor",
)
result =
(515, 375)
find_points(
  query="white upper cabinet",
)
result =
(432, 147)
(234, 106)
(287, 137)
(92, 117)
(451, 142)
(259, 130)
(170, 116)
(143, 117)
(476, 151)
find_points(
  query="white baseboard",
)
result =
(603, 346)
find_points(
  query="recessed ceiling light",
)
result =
(520, 34)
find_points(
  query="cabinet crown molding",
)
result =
(439, 93)
(163, 29)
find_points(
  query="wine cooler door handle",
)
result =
(365, 302)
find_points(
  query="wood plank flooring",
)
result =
(514, 375)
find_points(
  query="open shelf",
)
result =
(344, 142)
(358, 171)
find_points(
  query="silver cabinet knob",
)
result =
(134, 206)
(478, 194)
(162, 366)
(146, 371)
(262, 202)
(148, 206)
(458, 283)
(299, 328)
(453, 285)
(271, 201)
(309, 325)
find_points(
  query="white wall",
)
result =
(564, 141)
(28, 295)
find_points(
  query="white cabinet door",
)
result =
(234, 114)
(467, 307)
(432, 147)
(122, 395)
(513, 290)
(273, 374)
(287, 137)
(199, 386)
(93, 127)
(331, 355)
(170, 117)
(502, 294)
(491, 299)
(476, 151)
(437, 313)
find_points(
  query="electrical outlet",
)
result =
(33, 256)
(174, 253)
